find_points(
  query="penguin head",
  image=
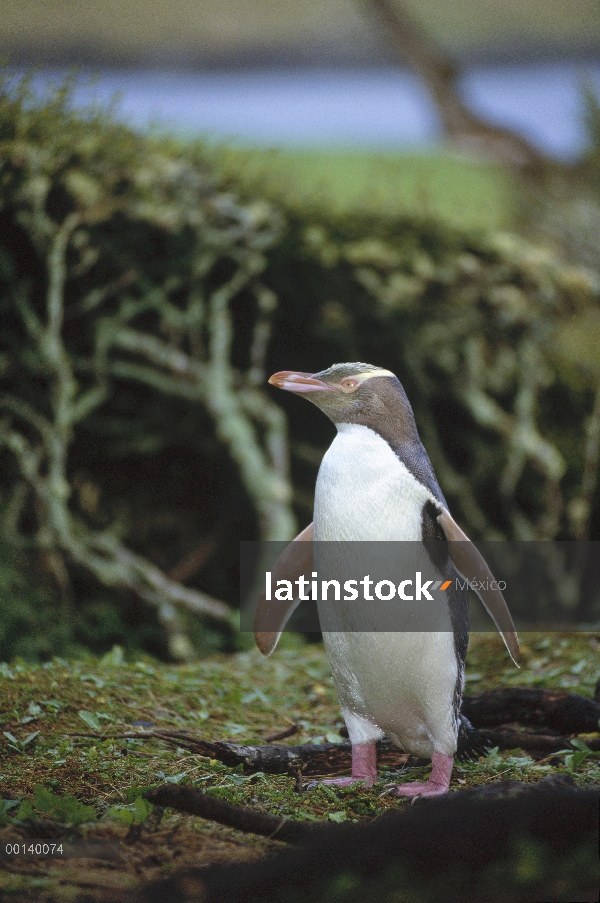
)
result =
(353, 393)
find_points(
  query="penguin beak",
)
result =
(298, 382)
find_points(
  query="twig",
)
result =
(196, 559)
(580, 508)
(518, 430)
(281, 735)
(186, 799)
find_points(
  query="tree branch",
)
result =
(194, 802)
(464, 129)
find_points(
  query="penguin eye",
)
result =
(349, 384)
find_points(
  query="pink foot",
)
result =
(345, 782)
(438, 783)
(364, 768)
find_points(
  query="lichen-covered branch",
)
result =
(580, 508)
(518, 430)
(263, 468)
(101, 314)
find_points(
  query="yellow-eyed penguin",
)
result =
(376, 483)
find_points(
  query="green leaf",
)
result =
(115, 657)
(5, 807)
(580, 745)
(135, 814)
(574, 760)
(175, 778)
(25, 811)
(64, 809)
(337, 817)
(90, 719)
(120, 814)
(97, 681)
(29, 738)
(142, 809)
(253, 696)
(142, 666)
(203, 715)
(235, 729)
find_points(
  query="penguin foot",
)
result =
(438, 783)
(419, 789)
(344, 782)
(364, 768)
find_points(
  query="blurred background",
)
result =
(321, 73)
(280, 186)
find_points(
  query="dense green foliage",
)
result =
(145, 296)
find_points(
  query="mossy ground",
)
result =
(241, 698)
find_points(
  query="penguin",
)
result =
(376, 483)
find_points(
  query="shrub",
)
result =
(144, 302)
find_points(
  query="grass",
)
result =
(242, 698)
(462, 192)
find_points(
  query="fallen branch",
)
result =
(562, 714)
(505, 738)
(310, 759)
(330, 758)
(464, 842)
(194, 802)
(568, 713)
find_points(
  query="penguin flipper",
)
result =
(470, 564)
(272, 615)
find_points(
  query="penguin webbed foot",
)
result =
(438, 783)
(364, 768)
(419, 789)
(343, 782)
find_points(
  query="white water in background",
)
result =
(383, 109)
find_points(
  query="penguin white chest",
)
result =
(401, 684)
(364, 492)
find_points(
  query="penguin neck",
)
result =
(397, 431)
(360, 475)
(400, 433)
(387, 412)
